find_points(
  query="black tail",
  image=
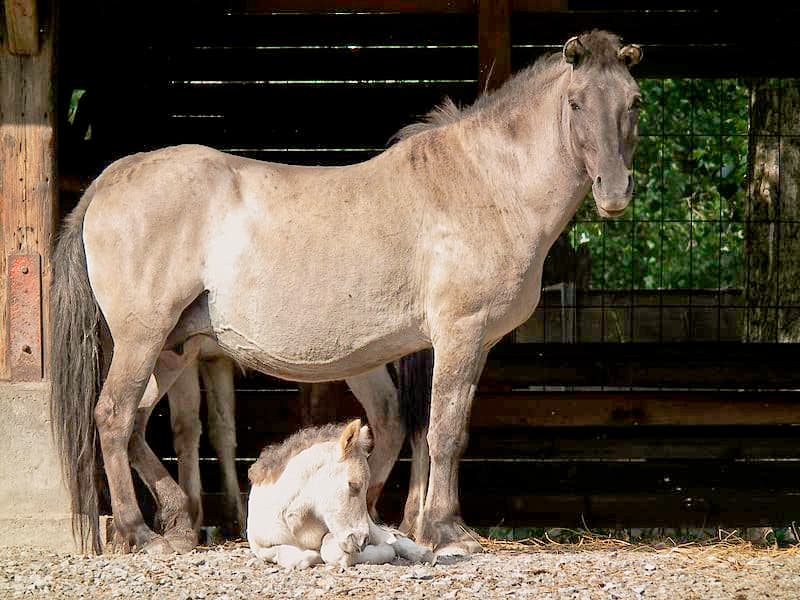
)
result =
(75, 374)
(415, 381)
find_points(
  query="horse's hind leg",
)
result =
(131, 369)
(184, 412)
(173, 505)
(218, 379)
(378, 395)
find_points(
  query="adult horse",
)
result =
(323, 273)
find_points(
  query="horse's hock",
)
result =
(34, 504)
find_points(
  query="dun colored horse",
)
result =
(314, 274)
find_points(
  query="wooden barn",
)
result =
(655, 385)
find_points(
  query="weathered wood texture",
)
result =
(22, 26)
(28, 191)
(494, 43)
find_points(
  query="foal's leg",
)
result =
(173, 504)
(377, 393)
(459, 358)
(288, 557)
(184, 412)
(221, 399)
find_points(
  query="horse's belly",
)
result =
(316, 346)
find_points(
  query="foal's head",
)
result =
(344, 479)
(601, 111)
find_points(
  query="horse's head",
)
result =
(344, 508)
(601, 111)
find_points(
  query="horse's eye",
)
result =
(574, 105)
(636, 104)
(355, 488)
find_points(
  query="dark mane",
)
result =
(601, 49)
(274, 458)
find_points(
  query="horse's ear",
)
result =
(350, 436)
(365, 439)
(573, 51)
(630, 55)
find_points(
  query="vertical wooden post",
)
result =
(494, 43)
(28, 193)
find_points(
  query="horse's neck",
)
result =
(535, 182)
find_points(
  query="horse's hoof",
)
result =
(450, 538)
(158, 545)
(181, 541)
(463, 547)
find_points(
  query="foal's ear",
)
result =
(573, 51)
(630, 55)
(365, 439)
(350, 437)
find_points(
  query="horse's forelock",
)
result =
(600, 48)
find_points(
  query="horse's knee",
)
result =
(186, 432)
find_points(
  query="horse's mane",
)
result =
(600, 49)
(274, 458)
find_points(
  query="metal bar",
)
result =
(25, 317)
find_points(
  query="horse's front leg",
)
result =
(378, 395)
(460, 354)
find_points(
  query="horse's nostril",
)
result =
(598, 181)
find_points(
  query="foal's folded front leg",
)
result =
(287, 556)
(372, 554)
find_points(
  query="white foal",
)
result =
(308, 502)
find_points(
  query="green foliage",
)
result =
(684, 228)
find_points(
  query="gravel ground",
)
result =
(506, 571)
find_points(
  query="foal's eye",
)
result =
(574, 105)
(355, 488)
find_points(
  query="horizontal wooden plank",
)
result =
(667, 26)
(729, 365)
(322, 63)
(575, 409)
(259, 116)
(650, 443)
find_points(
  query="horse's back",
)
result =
(308, 271)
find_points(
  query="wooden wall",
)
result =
(654, 432)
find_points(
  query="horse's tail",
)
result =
(415, 380)
(75, 374)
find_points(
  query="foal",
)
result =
(308, 502)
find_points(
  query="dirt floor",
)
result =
(603, 569)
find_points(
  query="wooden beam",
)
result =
(494, 43)
(22, 26)
(388, 6)
(28, 194)
(329, 6)
(621, 409)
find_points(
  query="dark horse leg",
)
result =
(377, 393)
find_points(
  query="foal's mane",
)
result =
(274, 458)
(600, 49)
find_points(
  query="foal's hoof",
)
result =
(181, 540)
(158, 545)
